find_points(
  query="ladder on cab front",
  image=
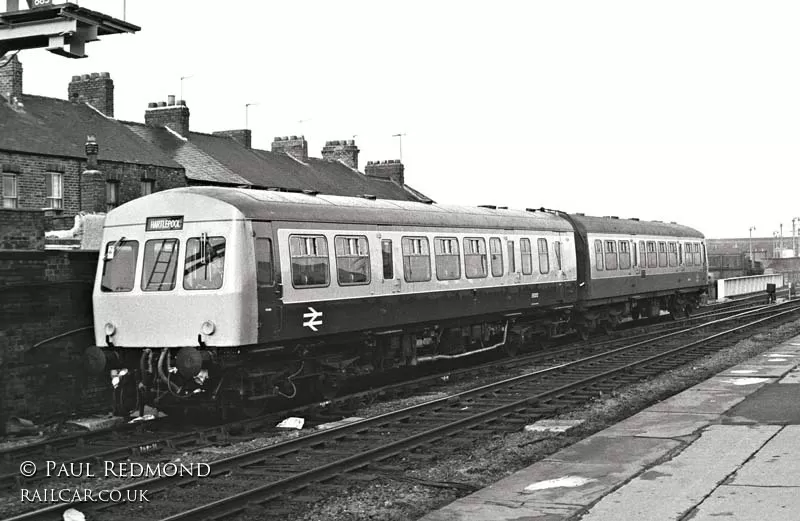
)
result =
(161, 267)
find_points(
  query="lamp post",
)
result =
(752, 262)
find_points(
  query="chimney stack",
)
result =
(345, 151)
(172, 114)
(243, 136)
(294, 146)
(92, 181)
(96, 89)
(10, 78)
(92, 149)
(392, 170)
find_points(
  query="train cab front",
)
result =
(169, 295)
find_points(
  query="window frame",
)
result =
(557, 255)
(662, 254)
(672, 254)
(53, 202)
(610, 254)
(112, 192)
(106, 260)
(390, 258)
(652, 254)
(512, 257)
(481, 242)
(492, 261)
(599, 261)
(336, 256)
(406, 264)
(144, 285)
(626, 255)
(151, 183)
(326, 256)
(439, 255)
(271, 252)
(543, 251)
(523, 254)
(10, 201)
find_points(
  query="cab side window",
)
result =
(265, 275)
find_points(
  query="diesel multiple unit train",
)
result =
(242, 296)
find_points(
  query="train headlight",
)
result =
(208, 328)
(110, 329)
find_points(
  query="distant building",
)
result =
(47, 162)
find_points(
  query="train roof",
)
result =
(614, 225)
(303, 207)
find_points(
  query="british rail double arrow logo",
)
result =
(314, 319)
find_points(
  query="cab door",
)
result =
(268, 282)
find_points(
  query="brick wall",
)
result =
(31, 191)
(21, 229)
(173, 116)
(97, 89)
(47, 293)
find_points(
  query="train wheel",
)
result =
(582, 331)
(513, 344)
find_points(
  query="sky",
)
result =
(685, 111)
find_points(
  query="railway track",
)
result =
(162, 439)
(298, 470)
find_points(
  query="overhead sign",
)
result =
(165, 223)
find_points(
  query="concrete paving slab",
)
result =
(570, 480)
(704, 401)
(651, 424)
(472, 510)
(792, 377)
(732, 503)
(772, 404)
(777, 464)
(669, 490)
(775, 370)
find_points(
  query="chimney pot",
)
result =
(152, 105)
(95, 75)
(76, 78)
(85, 76)
(105, 75)
(162, 103)
(171, 100)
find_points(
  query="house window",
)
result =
(9, 191)
(54, 189)
(148, 186)
(112, 195)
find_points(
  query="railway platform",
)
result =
(723, 449)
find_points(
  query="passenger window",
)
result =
(635, 255)
(544, 256)
(662, 254)
(557, 251)
(448, 259)
(205, 263)
(265, 275)
(673, 254)
(652, 258)
(496, 252)
(309, 254)
(525, 252)
(388, 259)
(475, 258)
(598, 254)
(696, 255)
(611, 255)
(703, 260)
(512, 260)
(352, 260)
(680, 254)
(624, 255)
(119, 266)
(642, 255)
(416, 259)
(160, 264)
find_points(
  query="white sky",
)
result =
(684, 111)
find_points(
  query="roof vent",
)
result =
(673, 222)
(634, 219)
(427, 201)
(502, 207)
(368, 196)
(581, 214)
(531, 210)
(489, 206)
(310, 192)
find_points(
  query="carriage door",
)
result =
(268, 282)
